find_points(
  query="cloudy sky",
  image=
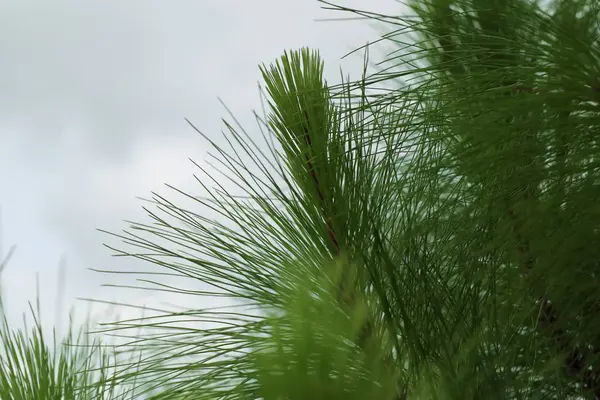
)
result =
(93, 96)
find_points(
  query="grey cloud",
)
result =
(92, 100)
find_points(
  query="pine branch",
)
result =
(575, 363)
(323, 206)
(345, 295)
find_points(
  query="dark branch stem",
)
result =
(575, 363)
(317, 183)
(366, 330)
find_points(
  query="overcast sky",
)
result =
(93, 96)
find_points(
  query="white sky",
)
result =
(93, 95)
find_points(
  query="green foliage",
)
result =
(77, 368)
(427, 232)
(434, 240)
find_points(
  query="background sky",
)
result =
(93, 96)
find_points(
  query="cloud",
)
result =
(93, 97)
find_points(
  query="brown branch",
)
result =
(323, 204)
(575, 362)
(524, 89)
(366, 331)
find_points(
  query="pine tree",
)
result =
(429, 231)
